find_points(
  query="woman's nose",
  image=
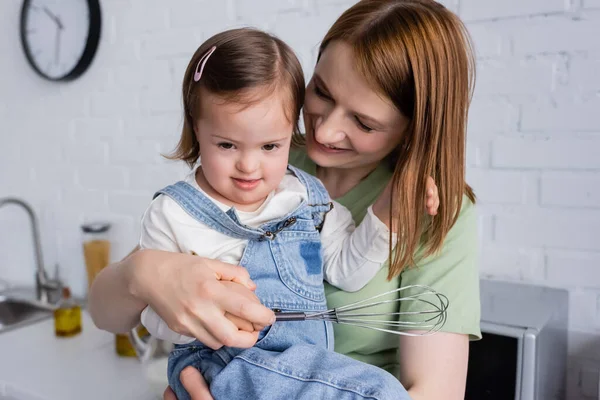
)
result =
(330, 129)
(247, 163)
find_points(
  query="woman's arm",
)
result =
(110, 291)
(190, 293)
(434, 367)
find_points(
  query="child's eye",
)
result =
(270, 147)
(363, 126)
(226, 146)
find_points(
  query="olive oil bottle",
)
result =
(67, 317)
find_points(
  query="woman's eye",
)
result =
(226, 146)
(321, 94)
(270, 147)
(363, 126)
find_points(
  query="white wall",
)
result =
(90, 149)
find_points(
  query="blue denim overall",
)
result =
(291, 360)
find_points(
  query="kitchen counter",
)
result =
(34, 361)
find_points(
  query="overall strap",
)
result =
(201, 208)
(318, 198)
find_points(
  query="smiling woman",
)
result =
(388, 105)
(349, 126)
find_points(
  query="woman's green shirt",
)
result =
(453, 272)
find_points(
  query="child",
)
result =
(242, 94)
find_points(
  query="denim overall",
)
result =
(291, 360)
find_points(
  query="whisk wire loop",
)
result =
(426, 321)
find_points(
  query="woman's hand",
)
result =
(241, 323)
(200, 297)
(191, 379)
(193, 295)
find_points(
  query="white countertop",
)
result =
(34, 361)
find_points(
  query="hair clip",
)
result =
(202, 63)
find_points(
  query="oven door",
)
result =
(502, 364)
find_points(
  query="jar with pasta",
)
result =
(96, 248)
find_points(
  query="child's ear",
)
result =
(196, 132)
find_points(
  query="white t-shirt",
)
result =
(351, 257)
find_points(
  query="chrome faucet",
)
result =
(47, 290)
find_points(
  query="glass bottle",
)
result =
(67, 317)
(123, 344)
(96, 248)
(96, 251)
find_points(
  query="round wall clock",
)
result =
(60, 37)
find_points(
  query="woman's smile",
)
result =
(327, 148)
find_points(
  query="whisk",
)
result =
(428, 320)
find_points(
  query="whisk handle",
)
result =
(289, 316)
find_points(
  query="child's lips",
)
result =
(246, 184)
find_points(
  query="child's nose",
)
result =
(247, 164)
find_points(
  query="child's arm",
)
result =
(352, 256)
(382, 205)
(157, 230)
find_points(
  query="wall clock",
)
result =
(60, 37)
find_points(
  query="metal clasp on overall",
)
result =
(320, 226)
(271, 235)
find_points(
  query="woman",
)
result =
(387, 103)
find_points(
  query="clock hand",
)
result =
(59, 22)
(53, 17)
(60, 27)
(58, 36)
(57, 46)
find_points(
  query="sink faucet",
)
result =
(46, 289)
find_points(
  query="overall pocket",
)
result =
(299, 260)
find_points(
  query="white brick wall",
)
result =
(480, 10)
(547, 152)
(90, 149)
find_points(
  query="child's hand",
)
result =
(382, 205)
(193, 382)
(432, 198)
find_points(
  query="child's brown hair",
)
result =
(244, 59)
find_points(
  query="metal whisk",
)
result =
(428, 320)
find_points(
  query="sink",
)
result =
(17, 310)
